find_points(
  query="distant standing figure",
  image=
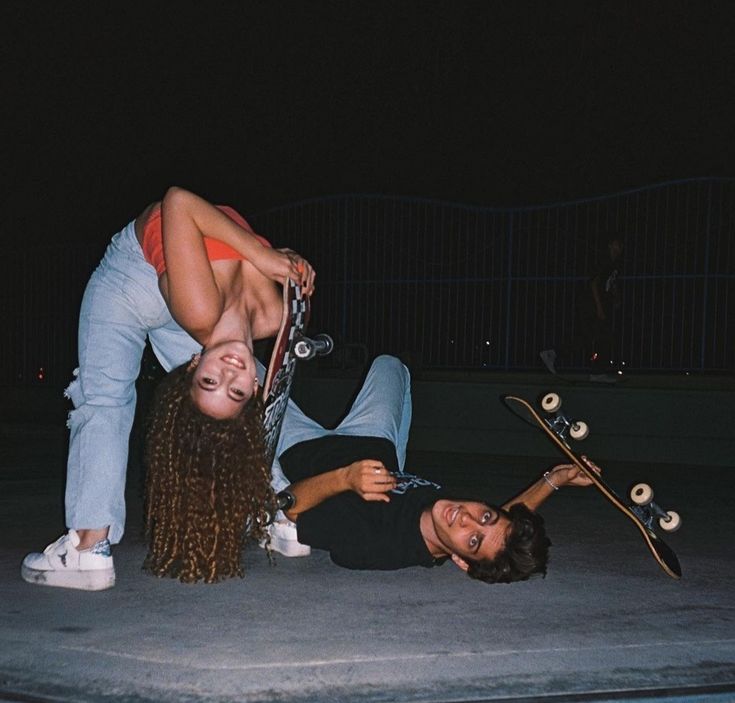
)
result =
(594, 317)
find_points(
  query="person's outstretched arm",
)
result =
(368, 478)
(561, 475)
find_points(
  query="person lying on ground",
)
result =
(347, 493)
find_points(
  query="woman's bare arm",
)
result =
(188, 212)
(193, 296)
(194, 299)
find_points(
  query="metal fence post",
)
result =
(508, 289)
(705, 282)
(345, 229)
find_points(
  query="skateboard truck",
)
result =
(562, 426)
(647, 511)
(308, 347)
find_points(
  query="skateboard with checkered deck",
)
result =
(641, 510)
(291, 345)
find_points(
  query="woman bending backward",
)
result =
(208, 486)
(184, 275)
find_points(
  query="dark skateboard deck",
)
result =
(558, 428)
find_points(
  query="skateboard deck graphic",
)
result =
(557, 428)
(291, 344)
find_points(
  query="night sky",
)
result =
(264, 103)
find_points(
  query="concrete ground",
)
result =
(605, 625)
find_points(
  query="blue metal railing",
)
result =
(475, 287)
(456, 286)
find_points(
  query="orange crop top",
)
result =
(153, 241)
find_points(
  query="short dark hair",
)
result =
(526, 550)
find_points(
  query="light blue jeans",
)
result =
(382, 409)
(122, 305)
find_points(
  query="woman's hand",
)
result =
(572, 475)
(369, 479)
(277, 264)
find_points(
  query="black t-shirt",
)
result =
(607, 273)
(360, 534)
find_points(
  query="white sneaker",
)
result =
(284, 539)
(63, 565)
(548, 356)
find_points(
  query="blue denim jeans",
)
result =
(382, 409)
(122, 305)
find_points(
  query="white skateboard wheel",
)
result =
(551, 402)
(579, 430)
(670, 523)
(303, 350)
(641, 494)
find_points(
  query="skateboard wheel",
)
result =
(551, 402)
(304, 349)
(579, 430)
(641, 494)
(670, 523)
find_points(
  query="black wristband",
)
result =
(286, 500)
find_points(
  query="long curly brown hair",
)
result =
(207, 486)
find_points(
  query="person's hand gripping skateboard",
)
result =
(572, 475)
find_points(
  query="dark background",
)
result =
(264, 103)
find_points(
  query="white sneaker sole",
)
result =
(288, 547)
(92, 580)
